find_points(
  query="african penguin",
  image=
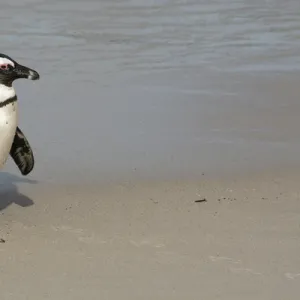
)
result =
(12, 140)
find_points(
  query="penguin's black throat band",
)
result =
(9, 101)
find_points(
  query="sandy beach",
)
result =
(153, 241)
(166, 141)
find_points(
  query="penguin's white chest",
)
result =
(8, 125)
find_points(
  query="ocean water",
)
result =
(156, 89)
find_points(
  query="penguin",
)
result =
(13, 142)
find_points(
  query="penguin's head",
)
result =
(10, 70)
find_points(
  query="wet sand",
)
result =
(142, 109)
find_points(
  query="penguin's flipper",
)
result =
(21, 153)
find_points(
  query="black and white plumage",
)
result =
(12, 140)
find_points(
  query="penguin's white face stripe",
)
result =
(6, 61)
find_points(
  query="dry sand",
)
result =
(152, 240)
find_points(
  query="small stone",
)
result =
(201, 200)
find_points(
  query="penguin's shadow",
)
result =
(9, 192)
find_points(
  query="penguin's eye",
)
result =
(4, 67)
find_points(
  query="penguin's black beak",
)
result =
(24, 72)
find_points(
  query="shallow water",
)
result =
(157, 89)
